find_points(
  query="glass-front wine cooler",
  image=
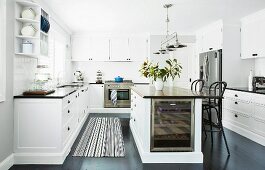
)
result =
(172, 125)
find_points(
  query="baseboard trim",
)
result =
(7, 163)
(246, 133)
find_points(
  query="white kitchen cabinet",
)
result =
(138, 48)
(46, 128)
(252, 35)
(96, 92)
(100, 48)
(210, 37)
(81, 48)
(119, 49)
(244, 113)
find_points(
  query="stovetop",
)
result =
(112, 81)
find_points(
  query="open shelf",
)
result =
(27, 3)
(27, 37)
(25, 20)
(44, 33)
(27, 55)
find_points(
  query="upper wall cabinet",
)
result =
(81, 48)
(99, 49)
(138, 48)
(253, 35)
(210, 37)
(88, 48)
(119, 49)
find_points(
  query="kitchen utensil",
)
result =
(78, 76)
(27, 47)
(28, 13)
(99, 77)
(118, 79)
(28, 30)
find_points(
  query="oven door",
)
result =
(123, 98)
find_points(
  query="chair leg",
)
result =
(211, 126)
(223, 133)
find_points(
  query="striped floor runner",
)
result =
(101, 138)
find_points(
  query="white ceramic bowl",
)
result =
(28, 13)
(28, 30)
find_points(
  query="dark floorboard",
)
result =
(245, 155)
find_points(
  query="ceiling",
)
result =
(140, 16)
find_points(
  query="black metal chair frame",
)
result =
(216, 89)
(195, 83)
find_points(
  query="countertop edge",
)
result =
(244, 90)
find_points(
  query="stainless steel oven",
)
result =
(123, 94)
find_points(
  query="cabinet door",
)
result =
(138, 46)
(81, 48)
(96, 96)
(119, 49)
(100, 48)
(212, 37)
(259, 38)
(249, 34)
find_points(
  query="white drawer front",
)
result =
(238, 95)
(68, 113)
(259, 119)
(68, 100)
(237, 118)
(244, 107)
(67, 131)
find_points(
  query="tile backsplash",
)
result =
(24, 73)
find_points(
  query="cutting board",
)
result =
(38, 92)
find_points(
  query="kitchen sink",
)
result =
(70, 85)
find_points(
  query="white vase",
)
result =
(159, 84)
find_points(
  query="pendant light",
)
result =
(171, 42)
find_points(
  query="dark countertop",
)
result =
(245, 89)
(147, 91)
(58, 94)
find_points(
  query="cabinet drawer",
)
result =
(237, 118)
(244, 107)
(67, 130)
(259, 119)
(238, 95)
(68, 112)
(68, 100)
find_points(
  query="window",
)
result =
(2, 50)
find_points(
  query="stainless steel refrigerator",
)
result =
(211, 67)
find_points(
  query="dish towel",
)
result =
(113, 97)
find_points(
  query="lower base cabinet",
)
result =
(244, 113)
(45, 129)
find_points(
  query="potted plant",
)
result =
(160, 75)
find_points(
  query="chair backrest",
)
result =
(217, 89)
(197, 84)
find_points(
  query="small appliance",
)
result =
(78, 76)
(123, 94)
(258, 83)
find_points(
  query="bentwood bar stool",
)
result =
(216, 89)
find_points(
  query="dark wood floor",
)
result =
(245, 155)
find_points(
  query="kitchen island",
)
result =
(166, 125)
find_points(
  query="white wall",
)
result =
(259, 67)
(6, 108)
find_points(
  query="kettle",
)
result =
(78, 76)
